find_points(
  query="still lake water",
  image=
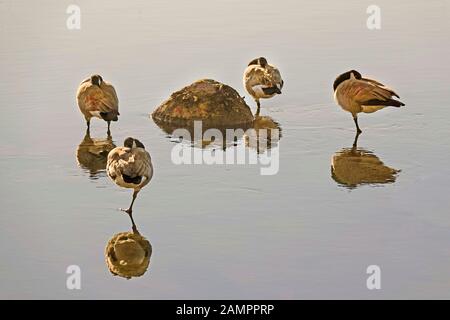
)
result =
(226, 231)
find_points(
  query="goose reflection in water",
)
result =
(127, 254)
(353, 167)
(92, 153)
(265, 135)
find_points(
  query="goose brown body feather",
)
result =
(98, 101)
(130, 167)
(364, 95)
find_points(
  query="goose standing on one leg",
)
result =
(262, 80)
(131, 167)
(356, 94)
(98, 98)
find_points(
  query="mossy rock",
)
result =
(209, 101)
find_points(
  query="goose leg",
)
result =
(355, 118)
(259, 107)
(355, 142)
(109, 131)
(135, 230)
(88, 124)
(130, 209)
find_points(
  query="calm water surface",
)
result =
(226, 231)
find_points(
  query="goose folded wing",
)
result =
(367, 94)
(379, 84)
(366, 91)
(256, 76)
(135, 167)
(111, 95)
(96, 101)
(275, 76)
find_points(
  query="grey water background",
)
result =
(226, 231)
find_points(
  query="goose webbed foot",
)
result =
(129, 211)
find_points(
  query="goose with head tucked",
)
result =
(130, 167)
(356, 94)
(262, 80)
(98, 98)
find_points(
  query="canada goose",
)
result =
(98, 98)
(356, 94)
(92, 153)
(131, 167)
(262, 80)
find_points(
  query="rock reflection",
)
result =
(92, 153)
(127, 254)
(353, 167)
(262, 134)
